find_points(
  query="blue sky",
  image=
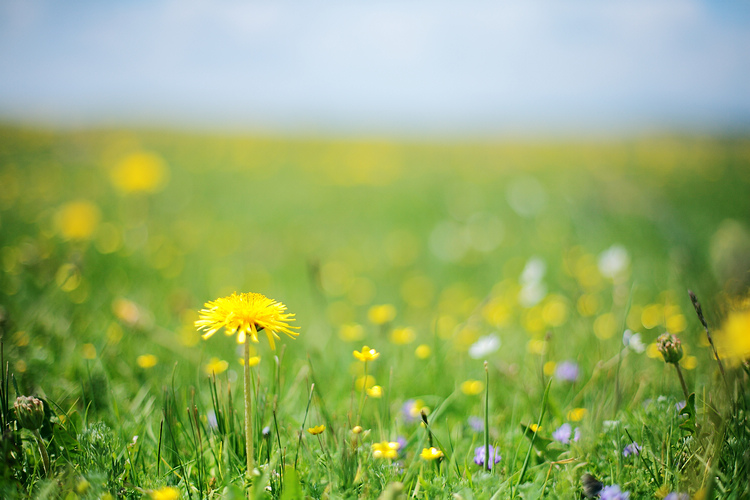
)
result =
(393, 67)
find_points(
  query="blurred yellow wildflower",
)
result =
(689, 362)
(366, 354)
(366, 382)
(605, 326)
(385, 449)
(140, 171)
(146, 361)
(423, 351)
(375, 392)
(318, 429)
(537, 346)
(652, 316)
(88, 351)
(252, 361)
(246, 314)
(402, 336)
(652, 351)
(77, 220)
(549, 368)
(351, 332)
(733, 339)
(215, 366)
(535, 428)
(431, 453)
(165, 493)
(126, 310)
(381, 314)
(472, 387)
(577, 414)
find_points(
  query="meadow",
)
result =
(513, 293)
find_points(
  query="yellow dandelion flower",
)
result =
(77, 220)
(246, 314)
(215, 366)
(140, 171)
(385, 449)
(577, 414)
(431, 453)
(423, 351)
(375, 392)
(381, 314)
(146, 361)
(472, 387)
(166, 493)
(366, 354)
(318, 429)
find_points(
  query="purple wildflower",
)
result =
(631, 449)
(614, 493)
(565, 432)
(677, 496)
(480, 456)
(680, 405)
(567, 371)
(401, 443)
(476, 424)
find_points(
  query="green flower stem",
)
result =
(682, 381)
(248, 413)
(42, 451)
(487, 458)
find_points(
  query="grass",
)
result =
(554, 249)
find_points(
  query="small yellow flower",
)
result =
(431, 453)
(215, 366)
(549, 368)
(577, 414)
(535, 428)
(385, 449)
(253, 361)
(146, 361)
(77, 220)
(403, 336)
(140, 171)
(318, 429)
(536, 346)
(357, 429)
(351, 332)
(381, 314)
(472, 387)
(366, 354)
(165, 493)
(423, 351)
(375, 392)
(365, 382)
(733, 340)
(689, 362)
(246, 314)
(88, 351)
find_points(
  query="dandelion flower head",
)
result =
(315, 430)
(246, 314)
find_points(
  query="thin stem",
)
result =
(682, 381)
(362, 399)
(248, 413)
(487, 463)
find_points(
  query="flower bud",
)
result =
(670, 348)
(29, 412)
